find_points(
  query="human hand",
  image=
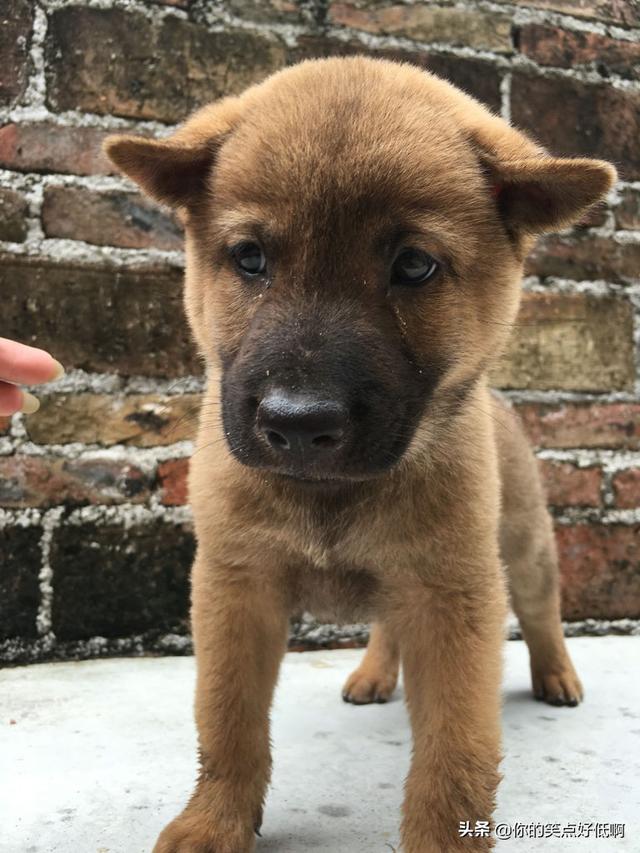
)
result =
(21, 364)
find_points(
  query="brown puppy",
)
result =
(355, 237)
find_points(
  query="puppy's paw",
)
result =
(193, 832)
(365, 686)
(558, 685)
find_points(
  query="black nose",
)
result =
(301, 425)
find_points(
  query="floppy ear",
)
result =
(174, 170)
(537, 194)
(167, 171)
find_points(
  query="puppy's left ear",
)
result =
(540, 194)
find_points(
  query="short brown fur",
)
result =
(314, 163)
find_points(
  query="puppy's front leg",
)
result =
(240, 630)
(451, 653)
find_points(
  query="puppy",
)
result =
(355, 234)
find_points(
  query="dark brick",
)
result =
(572, 117)
(562, 48)
(163, 71)
(474, 76)
(47, 481)
(113, 581)
(13, 212)
(584, 257)
(19, 588)
(600, 570)
(16, 21)
(627, 213)
(112, 218)
(45, 147)
(130, 321)
(570, 425)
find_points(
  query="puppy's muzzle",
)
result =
(302, 428)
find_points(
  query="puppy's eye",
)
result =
(249, 258)
(413, 266)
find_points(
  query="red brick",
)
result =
(600, 569)
(172, 479)
(13, 212)
(568, 485)
(626, 488)
(47, 481)
(477, 77)
(572, 425)
(111, 218)
(563, 341)
(613, 11)
(585, 257)
(562, 48)
(99, 319)
(572, 117)
(196, 65)
(452, 25)
(46, 147)
(16, 20)
(5, 424)
(628, 211)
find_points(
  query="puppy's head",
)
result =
(355, 236)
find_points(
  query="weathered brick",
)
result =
(142, 420)
(130, 321)
(568, 485)
(595, 217)
(614, 11)
(450, 25)
(46, 147)
(584, 257)
(570, 425)
(600, 570)
(628, 211)
(563, 48)
(47, 481)
(563, 341)
(13, 212)
(626, 488)
(113, 580)
(572, 117)
(19, 587)
(172, 479)
(270, 11)
(114, 61)
(474, 76)
(111, 218)
(16, 20)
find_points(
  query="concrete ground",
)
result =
(95, 757)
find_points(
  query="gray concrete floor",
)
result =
(95, 757)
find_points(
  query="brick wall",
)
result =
(95, 536)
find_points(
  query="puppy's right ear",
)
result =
(168, 172)
(173, 171)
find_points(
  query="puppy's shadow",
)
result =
(518, 696)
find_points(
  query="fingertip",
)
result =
(30, 404)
